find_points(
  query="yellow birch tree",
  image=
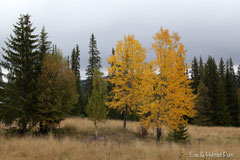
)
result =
(125, 74)
(167, 98)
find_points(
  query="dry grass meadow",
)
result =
(74, 141)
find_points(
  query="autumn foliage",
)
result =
(126, 72)
(57, 91)
(167, 98)
(159, 91)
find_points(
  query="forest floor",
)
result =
(75, 141)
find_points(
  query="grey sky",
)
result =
(207, 27)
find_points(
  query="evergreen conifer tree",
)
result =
(222, 110)
(44, 44)
(44, 47)
(54, 49)
(221, 69)
(231, 93)
(203, 106)
(215, 92)
(221, 114)
(20, 59)
(179, 135)
(1, 94)
(195, 74)
(1, 75)
(68, 61)
(75, 66)
(238, 77)
(201, 67)
(94, 61)
(238, 87)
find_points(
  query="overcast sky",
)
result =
(206, 27)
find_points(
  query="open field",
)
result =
(75, 142)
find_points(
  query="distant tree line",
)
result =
(217, 88)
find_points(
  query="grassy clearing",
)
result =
(75, 142)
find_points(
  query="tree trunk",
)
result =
(125, 118)
(23, 128)
(96, 130)
(41, 127)
(159, 133)
(144, 131)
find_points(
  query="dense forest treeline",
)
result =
(43, 87)
(217, 87)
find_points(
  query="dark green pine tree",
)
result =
(201, 67)
(1, 94)
(238, 88)
(179, 135)
(221, 69)
(238, 76)
(54, 49)
(203, 106)
(75, 66)
(225, 121)
(44, 44)
(215, 92)
(73, 57)
(222, 116)
(44, 47)
(94, 61)
(1, 76)
(20, 59)
(195, 74)
(68, 61)
(231, 93)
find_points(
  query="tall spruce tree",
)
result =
(1, 93)
(238, 87)
(44, 44)
(195, 74)
(201, 67)
(44, 47)
(225, 120)
(238, 76)
(94, 61)
(1, 75)
(20, 59)
(68, 61)
(203, 106)
(54, 49)
(75, 66)
(215, 92)
(221, 69)
(231, 93)
(221, 114)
